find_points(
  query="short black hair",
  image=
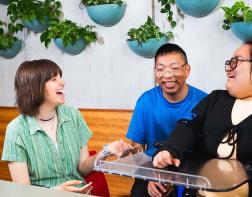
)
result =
(170, 48)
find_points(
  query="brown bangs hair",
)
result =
(30, 80)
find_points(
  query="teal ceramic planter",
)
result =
(197, 8)
(147, 49)
(75, 49)
(5, 2)
(242, 30)
(13, 51)
(107, 14)
(35, 25)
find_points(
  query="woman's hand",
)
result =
(164, 158)
(119, 148)
(155, 189)
(69, 186)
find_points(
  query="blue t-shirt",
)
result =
(154, 117)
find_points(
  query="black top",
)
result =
(210, 124)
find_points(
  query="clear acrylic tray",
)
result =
(203, 174)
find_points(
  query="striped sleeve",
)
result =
(83, 130)
(14, 148)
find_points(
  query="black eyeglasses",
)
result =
(232, 63)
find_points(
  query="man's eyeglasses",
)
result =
(174, 68)
(232, 63)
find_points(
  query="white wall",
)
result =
(107, 74)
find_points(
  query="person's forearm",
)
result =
(87, 166)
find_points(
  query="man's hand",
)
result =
(164, 158)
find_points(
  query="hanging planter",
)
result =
(68, 36)
(238, 18)
(105, 12)
(4, 2)
(197, 8)
(72, 49)
(35, 15)
(147, 49)
(9, 44)
(146, 39)
(13, 51)
(36, 25)
(242, 30)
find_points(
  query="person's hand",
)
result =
(70, 187)
(164, 158)
(119, 148)
(155, 189)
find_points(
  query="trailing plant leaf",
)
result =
(147, 31)
(166, 6)
(68, 31)
(239, 12)
(34, 9)
(7, 32)
(100, 2)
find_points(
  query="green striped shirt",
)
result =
(48, 166)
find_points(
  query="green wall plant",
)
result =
(239, 12)
(7, 32)
(146, 31)
(99, 2)
(68, 31)
(166, 6)
(34, 9)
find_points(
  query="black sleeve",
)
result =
(187, 133)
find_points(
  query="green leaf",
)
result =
(145, 32)
(239, 12)
(69, 32)
(100, 2)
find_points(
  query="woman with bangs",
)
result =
(46, 145)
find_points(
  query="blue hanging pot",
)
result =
(13, 51)
(35, 25)
(242, 30)
(197, 8)
(75, 49)
(147, 49)
(4, 2)
(106, 14)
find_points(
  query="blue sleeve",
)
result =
(136, 131)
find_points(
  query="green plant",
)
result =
(34, 9)
(7, 32)
(99, 2)
(237, 13)
(166, 6)
(147, 31)
(68, 31)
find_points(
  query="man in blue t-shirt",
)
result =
(158, 110)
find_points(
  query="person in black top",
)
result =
(222, 122)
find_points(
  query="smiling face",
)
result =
(171, 72)
(54, 91)
(239, 80)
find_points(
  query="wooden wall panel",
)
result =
(106, 125)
